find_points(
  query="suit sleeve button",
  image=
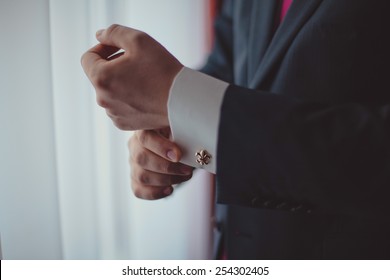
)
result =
(296, 208)
(267, 203)
(255, 201)
(282, 205)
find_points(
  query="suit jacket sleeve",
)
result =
(288, 153)
(275, 151)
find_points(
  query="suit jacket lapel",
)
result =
(261, 30)
(300, 11)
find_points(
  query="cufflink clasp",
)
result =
(203, 157)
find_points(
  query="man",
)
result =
(295, 124)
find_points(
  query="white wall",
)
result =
(29, 217)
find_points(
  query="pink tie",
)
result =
(285, 6)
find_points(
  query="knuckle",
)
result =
(142, 177)
(137, 191)
(120, 123)
(101, 101)
(143, 136)
(101, 78)
(113, 28)
(140, 39)
(141, 159)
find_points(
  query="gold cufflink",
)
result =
(203, 157)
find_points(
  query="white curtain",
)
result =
(64, 176)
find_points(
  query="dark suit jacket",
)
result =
(304, 139)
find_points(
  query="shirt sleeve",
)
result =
(194, 111)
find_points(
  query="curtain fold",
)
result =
(86, 141)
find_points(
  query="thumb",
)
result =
(116, 35)
(153, 141)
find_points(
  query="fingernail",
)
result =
(99, 32)
(171, 155)
(168, 191)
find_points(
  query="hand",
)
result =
(154, 164)
(132, 86)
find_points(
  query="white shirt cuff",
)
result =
(194, 110)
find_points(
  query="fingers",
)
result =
(159, 144)
(149, 178)
(149, 185)
(150, 192)
(154, 152)
(103, 51)
(126, 77)
(94, 57)
(152, 172)
(118, 36)
(152, 162)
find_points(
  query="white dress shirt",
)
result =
(194, 106)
